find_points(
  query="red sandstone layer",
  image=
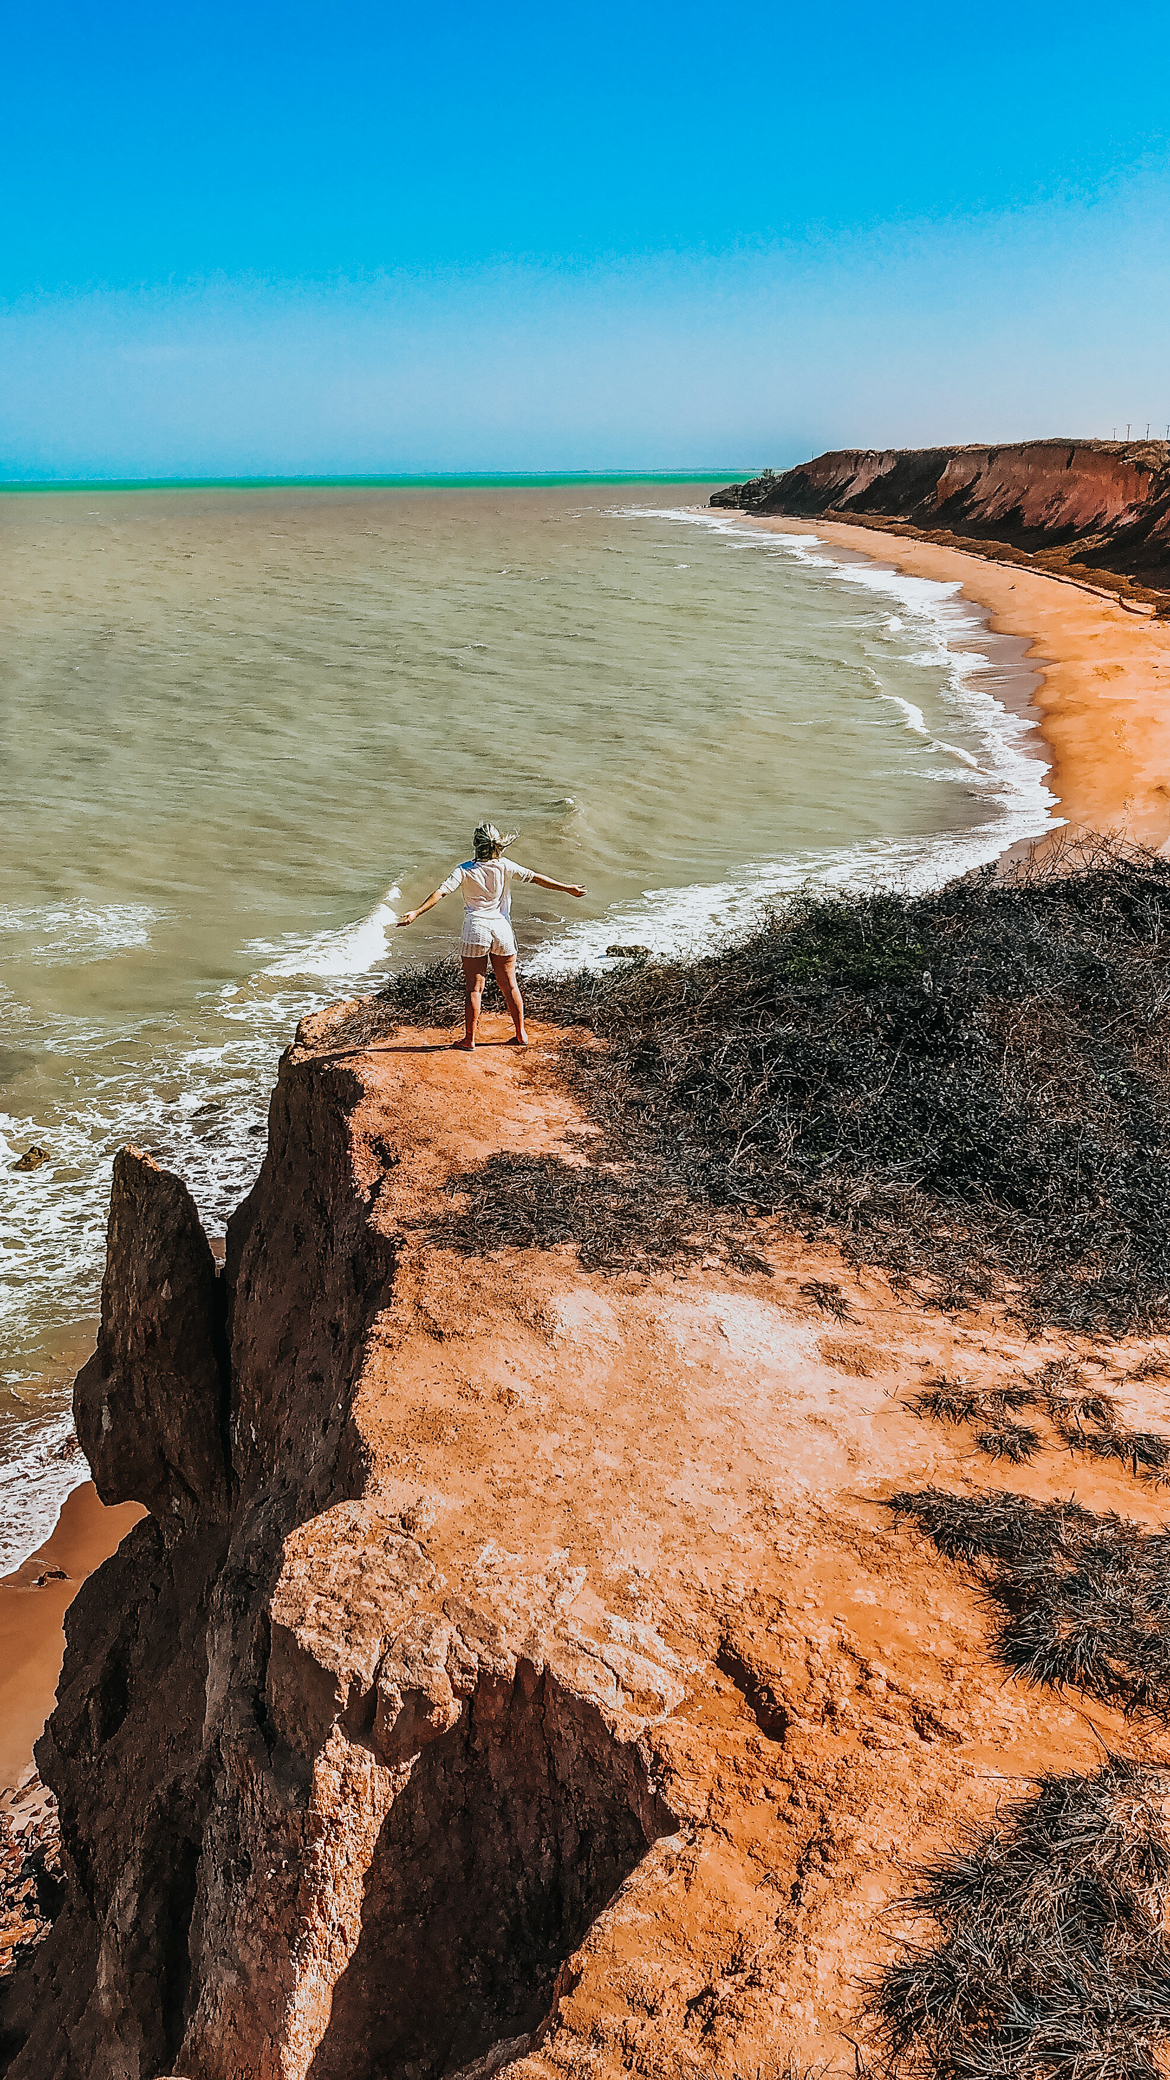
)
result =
(1098, 509)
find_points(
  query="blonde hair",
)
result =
(489, 842)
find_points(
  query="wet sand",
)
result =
(1104, 697)
(33, 1602)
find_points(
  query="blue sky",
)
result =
(253, 239)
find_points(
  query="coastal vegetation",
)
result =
(1053, 1956)
(1078, 1598)
(969, 1088)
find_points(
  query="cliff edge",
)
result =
(1097, 509)
(520, 1666)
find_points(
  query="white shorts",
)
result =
(483, 935)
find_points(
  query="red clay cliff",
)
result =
(1100, 509)
(519, 1668)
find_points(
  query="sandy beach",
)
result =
(33, 1602)
(1104, 701)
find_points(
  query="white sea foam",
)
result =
(915, 719)
(966, 758)
(74, 932)
(34, 1484)
(351, 950)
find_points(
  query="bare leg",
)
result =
(474, 977)
(504, 965)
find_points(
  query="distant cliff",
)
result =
(1098, 509)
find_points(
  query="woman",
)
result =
(487, 925)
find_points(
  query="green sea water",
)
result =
(471, 480)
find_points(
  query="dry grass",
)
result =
(619, 1218)
(969, 1088)
(826, 1294)
(1051, 1959)
(1151, 1367)
(949, 1401)
(1078, 1599)
(1144, 1452)
(1084, 1419)
(1006, 1440)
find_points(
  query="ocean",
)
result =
(242, 728)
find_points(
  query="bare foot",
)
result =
(519, 1040)
(464, 1046)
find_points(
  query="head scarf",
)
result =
(488, 841)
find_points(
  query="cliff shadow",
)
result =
(515, 1830)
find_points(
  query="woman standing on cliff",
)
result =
(487, 923)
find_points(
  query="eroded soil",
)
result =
(693, 1469)
(542, 1681)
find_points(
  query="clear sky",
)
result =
(249, 238)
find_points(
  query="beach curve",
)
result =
(1103, 702)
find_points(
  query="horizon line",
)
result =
(404, 479)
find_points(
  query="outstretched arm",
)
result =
(436, 896)
(563, 888)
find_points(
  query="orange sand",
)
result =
(32, 1611)
(1105, 699)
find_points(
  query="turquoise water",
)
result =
(537, 480)
(242, 728)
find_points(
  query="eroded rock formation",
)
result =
(322, 1813)
(151, 1405)
(1100, 506)
(533, 1677)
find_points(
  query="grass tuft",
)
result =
(1152, 1366)
(828, 1295)
(1071, 1411)
(1015, 1441)
(1079, 1599)
(948, 1401)
(1143, 1451)
(1050, 1958)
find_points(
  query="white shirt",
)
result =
(485, 883)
